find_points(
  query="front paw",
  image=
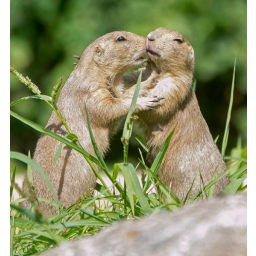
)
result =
(147, 103)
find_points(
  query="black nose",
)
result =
(151, 37)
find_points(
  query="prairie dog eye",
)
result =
(178, 39)
(120, 38)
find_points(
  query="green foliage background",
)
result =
(46, 34)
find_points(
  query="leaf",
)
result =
(235, 158)
(187, 197)
(29, 171)
(12, 180)
(38, 168)
(211, 183)
(216, 139)
(71, 136)
(194, 85)
(158, 160)
(210, 193)
(234, 185)
(238, 172)
(175, 198)
(115, 172)
(68, 224)
(28, 213)
(39, 97)
(128, 124)
(39, 128)
(58, 153)
(225, 137)
(11, 237)
(140, 140)
(125, 170)
(93, 216)
(136, 186)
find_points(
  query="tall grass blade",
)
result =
(96, 149)
(138, 190)
(39, 128)
(38, 168)
(11, 237)
(39, 97)
(216, 139)
(58, 153)
(210, 184)
(235, 158)
(175, 198)
(12, 180)
(210, 193)
(29, 171)
(93, 216)
(187, 197)
(194, 85)
(28, 213)
(127, 131)
(127, 179)
(225, 137)
(158, 160)
(140, 140)
(239, 172)
(234, 185)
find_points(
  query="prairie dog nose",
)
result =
(151, 37)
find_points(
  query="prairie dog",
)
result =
(191, 148)
(108, 57)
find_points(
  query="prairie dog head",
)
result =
(119, 51)
(170, 50)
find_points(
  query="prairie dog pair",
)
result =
(191, 148)
(108, 57)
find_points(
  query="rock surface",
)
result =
(214, 228)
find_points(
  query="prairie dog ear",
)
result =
(98, 53)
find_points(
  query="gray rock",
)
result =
(217, 227)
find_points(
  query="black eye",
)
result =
(120, 38)
(178, 40)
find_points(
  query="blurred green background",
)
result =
(45, 34)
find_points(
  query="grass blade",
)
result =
(175, 198)
(225, 137)
(38, 168)
(58, 153)
(12, 180)
(158, 160)
(39, 97)
(93, 216)
(216, 139)
(28, 213)
(39, 128)
(234, 185)
(210, 193)
(127, 179)
(11, 237)
(187, 197)
(239, 172)
(29, 171)
(211, 183)
(194, 85)
(140, 140)
(138, 190)
(235, 158)
(127, 131)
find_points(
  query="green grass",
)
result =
(32, 232)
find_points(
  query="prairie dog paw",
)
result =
(147, 103)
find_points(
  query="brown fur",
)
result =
(192, 148)
(107, 58)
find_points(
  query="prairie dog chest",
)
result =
(163, 87)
